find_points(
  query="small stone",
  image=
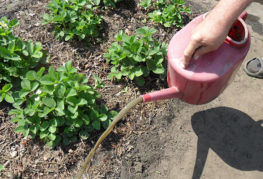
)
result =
(6, 163)
(13, 154)
(138, 167)
(46, 156)
(70, 151)
(128, 32)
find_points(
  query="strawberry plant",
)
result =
(136, 56)
(17, 56)
(6, 94)
(58, 106)
(107, 3)
(168, 12)
(73, 18)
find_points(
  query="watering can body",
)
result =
(205, 78)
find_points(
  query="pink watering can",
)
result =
(205, 78)
(202, 81)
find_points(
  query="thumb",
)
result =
(189, 51)
(201, 51)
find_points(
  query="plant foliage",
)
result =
(107, 3)
(58, 106)
(16, 56)
(168, 12)
(136, 56)
(73, 18)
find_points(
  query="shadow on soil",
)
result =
(255, 24)
(234, 136)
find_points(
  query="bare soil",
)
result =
(166, 139)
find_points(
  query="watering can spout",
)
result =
(168, 93)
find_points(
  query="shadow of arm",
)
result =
(201, 155)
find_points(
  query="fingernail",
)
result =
(196, 57)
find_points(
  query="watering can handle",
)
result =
(241, 26)
(244, 15)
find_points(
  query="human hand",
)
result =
(206, 37)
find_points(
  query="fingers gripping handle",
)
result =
(168, 93)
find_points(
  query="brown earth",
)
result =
(166, 139)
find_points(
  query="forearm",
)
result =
(227, 11)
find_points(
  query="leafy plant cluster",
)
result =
(136, 56)
(107, 3)
(58, 106)
(168, 12)
(16, 57)
(73, 18)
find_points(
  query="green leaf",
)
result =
(112, 114)
(85, 118)
(25, 84)
(138, 71)
(43, 134)
(52, 137)
(60, 108)
(60, 91)
(67, 38)
(40, 73)
(15, 111)
(158, 69)
(73, 110)
(6, 87)
(96, 124)
(73, 100)
(34, 85)
(9, 98)
(52, 129)
(145, 3)
(33, 130)
(78, 122)
(140, 81)
(44, 126)
(1, 167)
(103, 117)
(31, 75)
(50, 102)
(84, 134)
(4, 53)
(23, 93)
(46, 80)
(71, 92)
(45, 112)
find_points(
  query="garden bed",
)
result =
(141, 129)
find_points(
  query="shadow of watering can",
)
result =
(206, 77)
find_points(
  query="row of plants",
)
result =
(53, 105)
(81, 18)
(59, 105)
